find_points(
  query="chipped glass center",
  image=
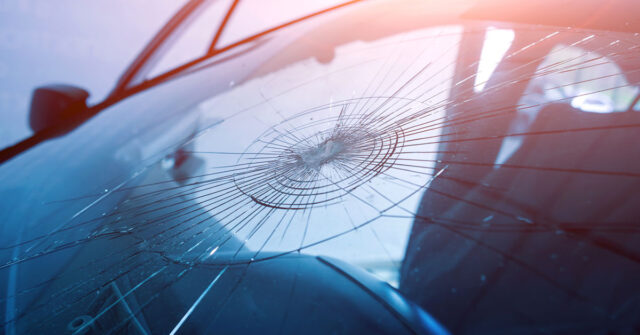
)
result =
(324, 152)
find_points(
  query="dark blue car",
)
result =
(397, 167)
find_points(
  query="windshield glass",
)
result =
(487, 170)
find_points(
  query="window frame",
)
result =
(134, 79)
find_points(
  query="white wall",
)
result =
(85, 43)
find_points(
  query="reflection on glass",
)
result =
(496, 44)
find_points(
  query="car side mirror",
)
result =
(59, 107)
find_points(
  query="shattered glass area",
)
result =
(508, 203)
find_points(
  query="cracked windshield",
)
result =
(362, 167)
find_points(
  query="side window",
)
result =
(194, 41)
(251, 17)
(248, 18)
(575, 76)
